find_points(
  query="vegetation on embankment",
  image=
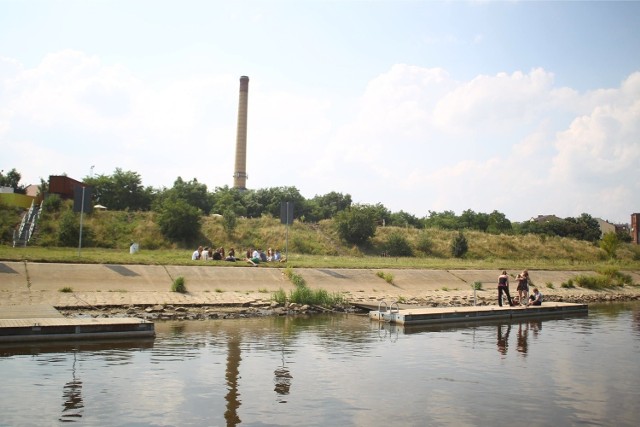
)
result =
(107, 236)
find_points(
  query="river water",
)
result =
(339, 370)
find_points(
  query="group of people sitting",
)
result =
(256, 256)
(523, 290)
(253, 256)
(208, 253)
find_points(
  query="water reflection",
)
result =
(348, 371)
(503, 340)
(232, 373)
(72, 397)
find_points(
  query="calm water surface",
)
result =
(336, 370)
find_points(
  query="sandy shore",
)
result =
(222, 291)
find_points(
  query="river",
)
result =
(341, 370)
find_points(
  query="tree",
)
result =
(404, 219)
(446, 220)
(610, 244)
(194, 193)
(326, 206)
(228, 199)
(459, 246)
(12, 180)
(121, 191)
(356, 224)
(178, 220)
(498, 223)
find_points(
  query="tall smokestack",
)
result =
(240, 173)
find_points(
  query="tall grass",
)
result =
(304, 295)
(315, 246)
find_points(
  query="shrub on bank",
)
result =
(178, 285)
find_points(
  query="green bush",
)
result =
(357, 224)
(477, 285)
(424, 244)
(388, 277)
(69, 230)
(304, 295)
(179, 285)
(397, 245)
(279, 296)
(178, 220)
(66, 289)
(568, 284)
(459, 246)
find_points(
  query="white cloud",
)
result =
(415, 139)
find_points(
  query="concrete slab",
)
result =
(229, 279)
(96, 277)
(12, 276)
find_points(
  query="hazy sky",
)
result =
(522, 107)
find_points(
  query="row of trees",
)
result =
(180, 207)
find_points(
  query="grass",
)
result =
(606, 278)
(304, 295)
(66, 289)
(317, 245)
(388, 277)
(179, 285)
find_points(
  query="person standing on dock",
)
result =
(503, 287)
(523, 287)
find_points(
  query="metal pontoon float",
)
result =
(436, 315)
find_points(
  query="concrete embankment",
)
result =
(101, 285)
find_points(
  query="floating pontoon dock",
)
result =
(45, 323)
(437, 315)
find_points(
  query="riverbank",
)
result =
(224, 292)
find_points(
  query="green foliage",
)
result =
(398, 245)
(229, 221)
(424, 243)
(606, 278)
(567, 285)
(69, 229)
(610, 244)
(477, 285)
(459, 246)
(326, 206)
(178, 220)
(404, 219)
(52, 203)
(297, 280)
(550, 285)
(179, 285)
(121, 191)
(279, 296)
(12, 179)
(388, 277)
(357, 224)
(304, 295)
(66, 289)
(9, 220)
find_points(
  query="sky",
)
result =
(528, 108)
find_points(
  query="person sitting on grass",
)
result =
(536, 298)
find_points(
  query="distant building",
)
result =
(63, 186)
(605, 227)
(545, 218)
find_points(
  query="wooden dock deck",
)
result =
(45, 323)
(439, 315)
